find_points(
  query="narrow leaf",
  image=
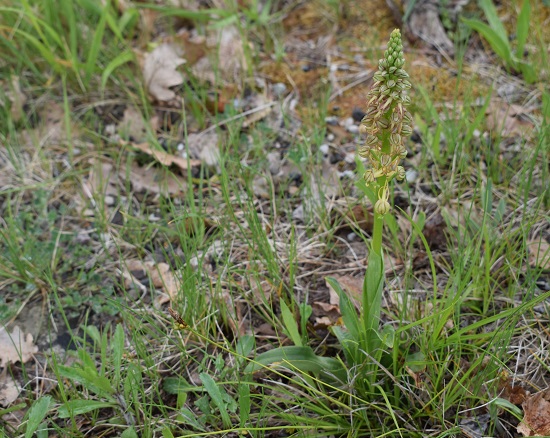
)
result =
(499, 45)
(297, 358)
(79, 407)
(118, 349)
(115, 63)
(291, 327)
(215, 393)
(37, 412)
(523, 27)
(493, 18)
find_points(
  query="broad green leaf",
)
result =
(79, 407)
(89, 378)
(349, 314)
(245, 345)
(388, 335)
(291, 327)
(167, 433)
(118, 349)
(350, 346)
(176, 385)
(129, 433)
(186, 416)
(298, 358)
(505, 404)
(522, 27)
(416, 362)
(215, 393)
(372, 291)
(244, 403)
(493, 19)
(36, 414)
(499, 45)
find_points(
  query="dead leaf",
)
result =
(204, 146)
(15, 347)
(16, 97)
(160, 275)
(9, 389)
(353, 286)
(160, 71)
(102, 180)
(536, 419)
(132, 125)
(155, 180)
(539, 254)
(227, 44)
(164, 157)
(508, 120)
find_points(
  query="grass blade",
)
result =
(523, 27)
(290, 324)
(499, 45)
(215, 393)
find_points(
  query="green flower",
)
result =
(387, 122)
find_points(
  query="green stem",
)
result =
(377, 234)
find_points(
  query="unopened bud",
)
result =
(382, 207)
(400, 173)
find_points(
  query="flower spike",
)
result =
(387, 122)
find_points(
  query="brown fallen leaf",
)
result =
(508, 120)
(204, 147)
(17, 98)
(9, 389)
(159, 69)
(15, 347)
(227, 44)
(164, 157)
(536, 419)
(155, 180)
(539, 253)
(160, 274)
(132, 125)
(353, 286)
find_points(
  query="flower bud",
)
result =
(400, 173)
(406, 130)
(383, 123)
(382, 207)
(401, 74)
(369, 176)
(395, 139)
(372, 140)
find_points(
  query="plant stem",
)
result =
(377, 234)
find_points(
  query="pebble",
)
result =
(331, 120)
(330, 137)
(411, 175)
(278, 89)
(109, 200)
(353, 129)
(324, 148)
